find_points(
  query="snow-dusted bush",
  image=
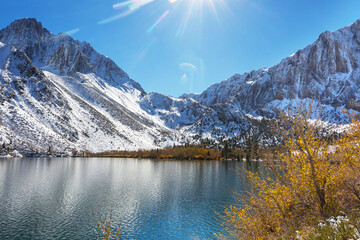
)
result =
(334, 228)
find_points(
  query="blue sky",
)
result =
(182, 46)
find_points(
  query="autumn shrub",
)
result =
(317, 177)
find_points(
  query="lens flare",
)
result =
(73, 31)
(146, 49)
(183, 78)
(139, 4)
(116, 17)
(123, 4)
(158, 21)
(131, 6)
(187, 67)
(191, 11)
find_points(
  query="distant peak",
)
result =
(27, 24)
(23, 32)
(355, 27)
(357, 22)
(25, 21)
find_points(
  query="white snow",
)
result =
(70, 97)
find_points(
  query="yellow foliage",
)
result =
(315, 178)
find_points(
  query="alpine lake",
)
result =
(59, 198)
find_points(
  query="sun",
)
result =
(194, 9)
(188, 9)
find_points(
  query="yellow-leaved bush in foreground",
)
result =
(315, 178)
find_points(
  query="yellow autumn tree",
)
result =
(315, 178)
(348, 151)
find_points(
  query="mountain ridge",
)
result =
(331, 55)
(95, 102)
(58, 92)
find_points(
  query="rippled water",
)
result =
(55, 198)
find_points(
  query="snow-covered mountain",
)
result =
(60, 93)
(326, 71)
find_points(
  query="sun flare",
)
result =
(186, 9)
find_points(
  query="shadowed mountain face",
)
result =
(58, 92)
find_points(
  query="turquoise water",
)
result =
(55, 198)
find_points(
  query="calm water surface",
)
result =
(55, 198)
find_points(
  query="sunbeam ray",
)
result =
(123, 4)
(73, 31)
(158, 21)
(191, 10)
(185, 20)
(139, 4)
(132, 6)
(116, 17)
